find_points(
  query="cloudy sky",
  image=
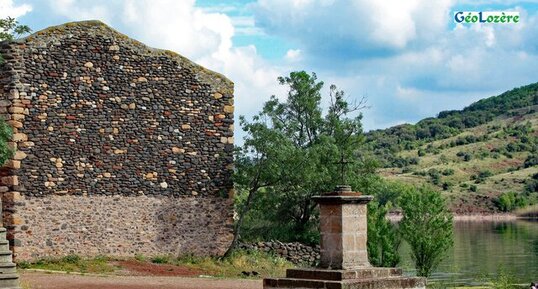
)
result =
(408, 57)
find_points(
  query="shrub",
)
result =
(448, 172)
(531, 185)
(140, 257)
(509, 201)
(427, 227)
(531, 161)
(72, 259)
(383, 239)
(481, 176)
(161, 259)
(464, 155)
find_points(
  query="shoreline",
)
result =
(470, 218)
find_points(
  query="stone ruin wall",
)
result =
(121, 149)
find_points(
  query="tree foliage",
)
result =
(289, 155)
(427, 227)
(5, 135)
(383, 237)
(11, 29)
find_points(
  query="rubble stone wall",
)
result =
(119, 148)
(297, 253)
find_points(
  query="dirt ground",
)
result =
(137, 268)
(34, 280)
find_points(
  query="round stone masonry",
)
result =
(130, 143)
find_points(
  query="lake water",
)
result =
(483, 249)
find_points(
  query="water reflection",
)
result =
(482, 249)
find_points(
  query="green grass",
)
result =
(72, 263)
(264, 264)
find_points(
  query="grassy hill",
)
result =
(484, 157)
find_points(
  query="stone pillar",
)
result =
(344, 258)
(343, 227)
(8, 271)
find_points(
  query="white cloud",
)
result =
(293, 55)
(360, 25)
(179, 26)
(80, 10)
(255, 79)
(404, 54)
(244, 25)
(8, 8)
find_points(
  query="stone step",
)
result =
(273, 283)
(373, 283)
(390, 282)
(5, 256)
(337, 275)
(8, 268)
(3, 233)
(9, 281)
(4, 245)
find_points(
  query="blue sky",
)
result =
(408, 58)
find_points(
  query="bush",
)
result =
(448, 172)
(531, 161)
(383, 239)
(509, 201)
(503, 280)
(386, 193)
(531, 185)
(160, 259)
(464, 155)
(435, 176)
(481, 176)
(427, 227)
(72, 259)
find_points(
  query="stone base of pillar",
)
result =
(364, 278)
(8, 270)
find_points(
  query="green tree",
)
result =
(11, 29)
(383, 238)
(290, 154)
(427, 227)
(5, 135)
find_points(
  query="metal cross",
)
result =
(343, 164)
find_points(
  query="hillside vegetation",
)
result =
(484, 157)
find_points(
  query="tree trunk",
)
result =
(239, 223)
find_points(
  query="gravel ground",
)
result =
(33, 280)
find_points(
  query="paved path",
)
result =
(64, 281)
